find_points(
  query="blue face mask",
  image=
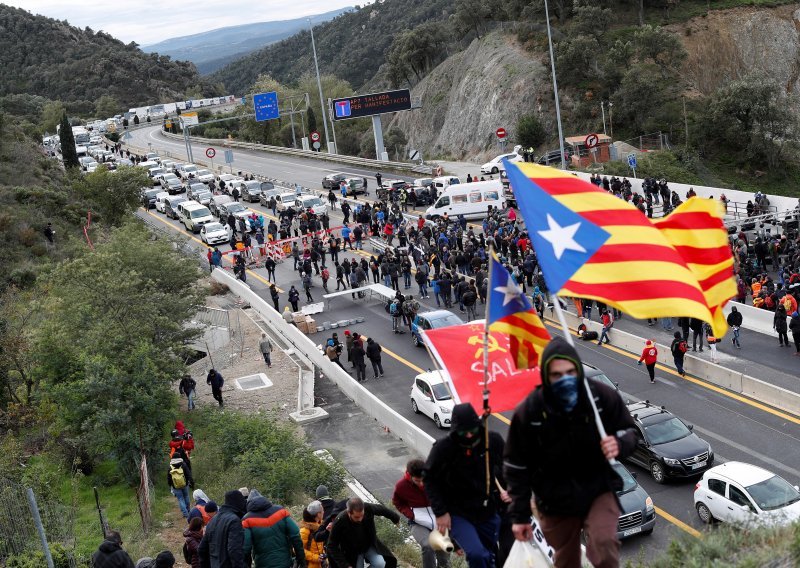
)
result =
(565, 390)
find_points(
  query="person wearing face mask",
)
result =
(461, 496)
(554, 453)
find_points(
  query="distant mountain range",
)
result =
(214, 49)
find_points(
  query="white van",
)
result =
(444, 182)
(472, 200)
(193, 215)
(161, 201)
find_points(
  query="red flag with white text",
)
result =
(459, 351)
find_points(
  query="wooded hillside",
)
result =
(47, 57)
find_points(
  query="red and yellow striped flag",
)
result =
(591, 244)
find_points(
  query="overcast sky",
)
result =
(150, 22)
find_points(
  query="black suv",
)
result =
(665, 445)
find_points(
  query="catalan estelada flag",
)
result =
(510, 312)
(591, 244)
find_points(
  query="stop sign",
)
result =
(501, 133)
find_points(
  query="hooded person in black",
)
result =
(456, 485)
(223, 543)
(554, 451)
(110, 553)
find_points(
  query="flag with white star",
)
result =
(509, 311)
(591, 244)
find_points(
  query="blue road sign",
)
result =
(632, 161)
(343, 109)
(228, 156)
(244, 100)
(266, 106)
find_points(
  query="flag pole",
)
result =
(486, 408)
(568, 335)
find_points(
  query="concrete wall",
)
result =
(754, 318)
(715, 374)
(415, 438)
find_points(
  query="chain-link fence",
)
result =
(222, 342)
(24, 514)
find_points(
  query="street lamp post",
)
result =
(555, 87)
(319, 86)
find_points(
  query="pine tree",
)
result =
(68, 151)
(312, 120)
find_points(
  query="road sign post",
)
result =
(229, 158)
(501, 133)
(632, 163)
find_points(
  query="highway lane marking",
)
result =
(712, 387)
(697, 381)
(748, 451)
(678, 523)
(177, 228)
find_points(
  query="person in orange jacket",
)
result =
(650, 357)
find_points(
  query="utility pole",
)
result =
(603, 111)
(685, 123)
(319, 86)
(555, 87)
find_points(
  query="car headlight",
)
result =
(445, 409)
(648, 503)
(670, 461)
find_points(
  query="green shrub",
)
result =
(61, 558)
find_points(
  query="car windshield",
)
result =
(444, 321)
(287, 197)
(236, 208)
(190, 168)
(213, 227)
(251, 185)
(310, 202)
(202, 195)
(628, 482)
(666, 431)
(602, 378)
(773, 493)
(198, 187)
(200, 213)
(203, 173)
(441, 392)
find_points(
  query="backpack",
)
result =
(393, 308)
(177, 475)
(683, 347)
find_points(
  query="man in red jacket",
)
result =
(650, 358)
(410, 499)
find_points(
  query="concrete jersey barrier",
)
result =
(413, 436)
(718, 375)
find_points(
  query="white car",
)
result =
(203, 176)
(286, 200)
(169, 165)
(495, 165)
(431, 397)
(310, 202)
(215, 233)
(746, 495)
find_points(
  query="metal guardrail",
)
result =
(351, 160)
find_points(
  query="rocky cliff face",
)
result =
(471, 94)
(731, 44)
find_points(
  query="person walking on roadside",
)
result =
(358, 354)
(678, 350)
(216, 381)
(458, 489)
(555, 455)
(794, 327)
(410, 499)
(271, 537)
(294, 298)
(608, 323)
(265, 346)
(307, 283)
(735, 321)
(374, 355)
(179, 479)
(779, 325)
(313, 548)
(712, 341)
(275, 295)
(332, 351)
(650, 358)
(223, 541)
(110, 553)
(697, 332)
(187, 387)
(353, 539)
(193, 535)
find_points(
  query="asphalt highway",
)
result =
(737, 428)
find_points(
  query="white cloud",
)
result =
(150, 22)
